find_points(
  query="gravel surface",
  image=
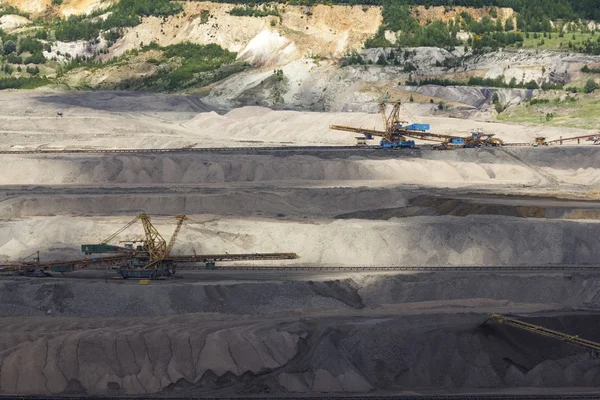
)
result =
(110, 298)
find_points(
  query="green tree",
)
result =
(30, 45)
(33, 70)
(590, 86)
(509, 26)
(532, 85)
(35, 58)
(378, 40)
(397, 17)
(499, 27)
(10, 47)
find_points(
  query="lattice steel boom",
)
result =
(540, 330)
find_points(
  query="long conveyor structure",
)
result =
(540, 330)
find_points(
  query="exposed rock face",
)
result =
(10, 22)
(446, 14)
(324, 86)
(71, 7)
(474, 96)
(302, 31)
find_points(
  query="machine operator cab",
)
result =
(476, 133)
(403, 126)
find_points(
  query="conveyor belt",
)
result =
(518, 268)
(540, 330)
(91, 263)
(283, 256)
(80, 263)
(193, 150)
(243, 150)
(233, 257)
(548, 396)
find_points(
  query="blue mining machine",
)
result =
(397, 144)
(396, 133)
(400, 134)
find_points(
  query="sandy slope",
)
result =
(476, 240)
(126, 120)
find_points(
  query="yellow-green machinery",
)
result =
(147, 258)
(540, 330)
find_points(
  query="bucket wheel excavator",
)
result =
(399, 133)
(391, 136)
(148, 257)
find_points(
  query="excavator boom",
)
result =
(156, 245)
(180, 219)
(114, 235)
(362, 131)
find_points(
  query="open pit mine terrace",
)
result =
(413, 273)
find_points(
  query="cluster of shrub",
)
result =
(251, 11)
(498, 82)
(14, 48)
(196, 65)
(125, 13)
(22, 83)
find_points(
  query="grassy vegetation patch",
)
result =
(187, 65)
(498, 82)
(558, 41)
(22, 83)
(579, 111)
